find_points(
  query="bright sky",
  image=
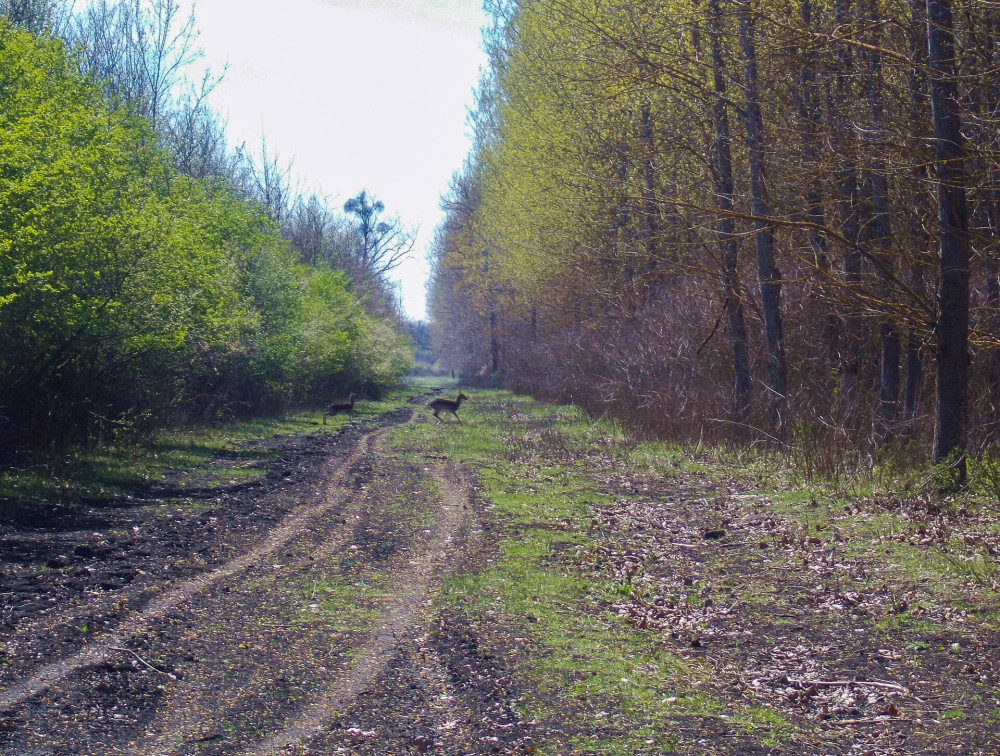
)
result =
(359, 94)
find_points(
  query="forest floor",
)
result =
(526, 582)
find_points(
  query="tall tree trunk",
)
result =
(914, 372)
(724, 191)
(880, 229)
(651, 229)
(919, 122)
(809, 114)
(850, 221)
(993, 306)
(985, 212)
(953, 222)
(767, 269)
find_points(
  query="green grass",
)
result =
(430, 381)
(207, 456)
(344, 604)
(613, 689)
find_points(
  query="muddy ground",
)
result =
(230, 621)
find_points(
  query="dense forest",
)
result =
(150, 273)
(738, 220)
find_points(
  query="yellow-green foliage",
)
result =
(129, 293)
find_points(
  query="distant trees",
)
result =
(382, 244)
(145, 278)
(816, 181)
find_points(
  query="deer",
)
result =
(447, 405)
(346, 407)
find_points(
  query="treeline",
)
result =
(149, 273)
(738, 220)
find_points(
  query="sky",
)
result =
(357, 94)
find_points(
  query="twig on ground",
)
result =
(847, 683)
(142, 661)
(875, 720)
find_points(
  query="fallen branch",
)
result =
(847, 683)
(141, 660)
(876, 720)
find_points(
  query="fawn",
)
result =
(448, 405)
(346, 407)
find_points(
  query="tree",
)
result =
(953, 222)
(767, 269)
(613, 211)
(382, 244)
(138, 49)
(37, 16)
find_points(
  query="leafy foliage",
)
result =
(664, 199)
(131, 296)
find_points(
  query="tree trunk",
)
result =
(880, 228)
(953, 223)
(985, 210)
(919, 122)
(914, 370)
(850, 221)
(770, 277)
(809, 114)
(724, 191)
(494, 347)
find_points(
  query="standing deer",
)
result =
(346, 407)
(448, 405)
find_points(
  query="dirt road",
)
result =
(293, 616)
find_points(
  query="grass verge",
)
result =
(597, 684)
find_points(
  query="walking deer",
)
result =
(447, 405)
(346, 407)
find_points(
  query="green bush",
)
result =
(132, 297)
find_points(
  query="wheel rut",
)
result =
(406, 613)
(110, 644)
(320, 637)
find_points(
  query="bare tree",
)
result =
(37, 16)
(311, 230)
(267, 181)
(196, 135)
(138, 49)
(383, 244)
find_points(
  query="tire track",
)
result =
(407, 607)
(198, 705)
(109, 644)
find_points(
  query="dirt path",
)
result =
(405, 612)
(279, 645)
(110, 644)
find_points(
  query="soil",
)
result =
(294, 615)
(200, 621)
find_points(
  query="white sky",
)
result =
(358, 94)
